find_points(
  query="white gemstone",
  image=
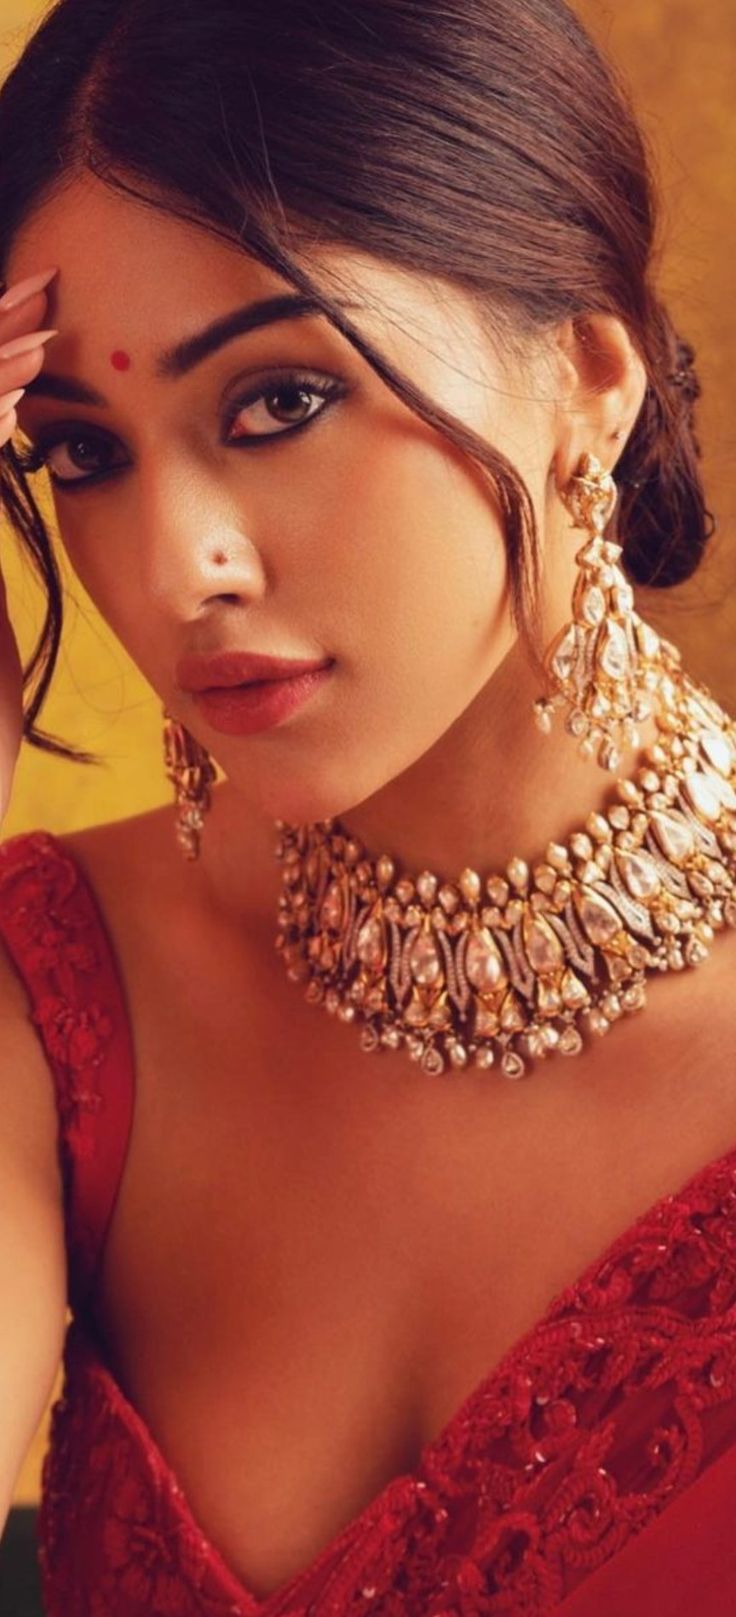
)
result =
(385, 870)
(543, 947)
(634, 997)
(484, 966)
(594, 606)
(424, 960)
(722, 788)
(566, 655)
(609, 756)
(517, 871)
(370, 943)
(612, 652)
(674, 837)
(332, 908)
(570, 1043)
(512, 1065)
(718, 751)
(427, 887)
(598, 917)
(469, 884)
(704, 799)
(574, 993)
(577, 723)
(648, 639)
(640, 873)
(512, 1016)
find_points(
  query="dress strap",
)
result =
(57, 940)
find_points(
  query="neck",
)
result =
(491, 787)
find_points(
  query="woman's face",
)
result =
(272, 495)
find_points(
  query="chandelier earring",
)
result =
(192, 773)
(607, 666)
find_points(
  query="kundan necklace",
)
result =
(519, 965)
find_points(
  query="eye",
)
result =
(71, 455)
(281, 397)
(76, 457)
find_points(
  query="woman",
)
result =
(355, 363)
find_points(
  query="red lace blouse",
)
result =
(591, 1472)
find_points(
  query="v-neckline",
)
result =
(400, 1489)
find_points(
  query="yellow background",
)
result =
(679, 56)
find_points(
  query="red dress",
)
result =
(592, 1472)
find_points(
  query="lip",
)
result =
(198, 672)
(259, 705)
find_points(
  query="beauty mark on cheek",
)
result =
(120, 361)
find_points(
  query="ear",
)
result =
(601, 383)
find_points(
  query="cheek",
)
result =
(415, 597)
(427, 574)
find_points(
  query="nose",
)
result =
(194, 549)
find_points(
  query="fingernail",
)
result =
(9, 400)
(25, 289)
(24, 345)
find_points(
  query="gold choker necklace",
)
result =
(520, 965)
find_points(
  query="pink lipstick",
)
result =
(239, 693)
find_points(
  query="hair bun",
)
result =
(684, 375)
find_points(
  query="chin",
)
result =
(301, 799)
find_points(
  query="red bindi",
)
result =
(120, 360)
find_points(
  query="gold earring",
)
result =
(191, 772)
(608, 665)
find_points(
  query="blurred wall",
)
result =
(679, 57)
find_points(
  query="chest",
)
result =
(317, 1254)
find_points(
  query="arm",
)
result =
(32, 1256)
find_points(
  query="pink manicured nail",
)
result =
(8, 401)
(25, 289)
(24, 345)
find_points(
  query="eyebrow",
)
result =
(176, 362)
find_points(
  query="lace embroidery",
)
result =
(607, 1410)
(52, 932)
(47, 921)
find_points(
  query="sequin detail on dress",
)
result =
(592, 1424)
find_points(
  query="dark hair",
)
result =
(484, 141)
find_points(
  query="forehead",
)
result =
(119, 257)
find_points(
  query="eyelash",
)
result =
(35, 459)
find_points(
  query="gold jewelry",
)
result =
(191, 772)
(521, 964)
(608, 665)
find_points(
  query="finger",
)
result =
(10, 401)
(21, 290)
(29, 316)
(25, 344)
(8, 424)
(19, 372)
